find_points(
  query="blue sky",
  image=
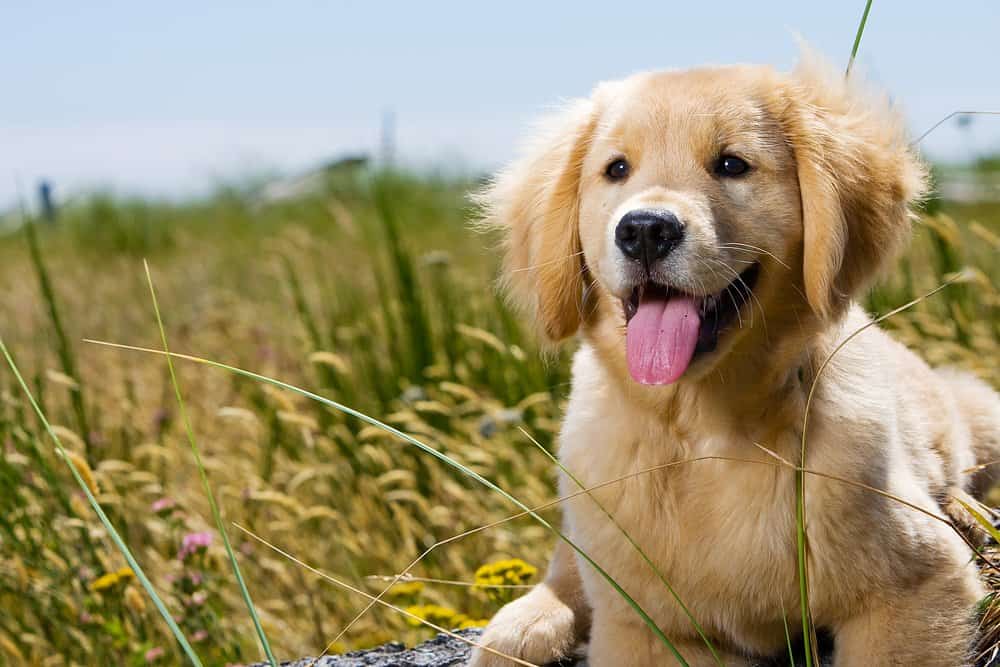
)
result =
(171, 98)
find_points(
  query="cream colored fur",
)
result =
(824, 209)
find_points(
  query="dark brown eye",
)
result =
(730, 165)
(618, 170)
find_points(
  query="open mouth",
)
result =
(666, 329)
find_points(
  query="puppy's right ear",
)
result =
(536, 203)
(858, 179)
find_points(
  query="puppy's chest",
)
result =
(700, 503)
(716, 528)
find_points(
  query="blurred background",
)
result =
(173, 101)
(297, 175)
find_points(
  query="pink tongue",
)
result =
(660, 339)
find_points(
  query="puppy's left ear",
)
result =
(535, 204)
(858, 178)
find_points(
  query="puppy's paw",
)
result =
(537, 628)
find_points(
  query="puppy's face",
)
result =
(684, 208)
(689, 201)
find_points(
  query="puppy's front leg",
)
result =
(544, 625)
(930, 625)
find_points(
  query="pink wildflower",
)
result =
(194, 543)
(164, 505)
(154, 654)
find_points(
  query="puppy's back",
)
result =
(979, 406)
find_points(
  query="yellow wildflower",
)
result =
(407, 589)
(432, 613)
(461, 622)
(496, 578)
(509, 572)
(104, 582)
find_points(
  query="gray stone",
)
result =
(442, 651)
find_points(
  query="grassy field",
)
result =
(372, 292)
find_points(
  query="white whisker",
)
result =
(753, 296)
(747, 247)
(731, 297)
(739, 316)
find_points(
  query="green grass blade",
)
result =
(634, 544)
(436, 454)
(115, 537)
(63, 348)
(857, 36)
(407, 288)
(204, 479)
(788, 638)
(986, 524)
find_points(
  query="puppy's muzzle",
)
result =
(648, 235)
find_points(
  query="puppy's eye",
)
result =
(618, 170)
(730, 165)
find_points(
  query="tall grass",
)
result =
(209, 494)
(453, 397)
(67, 357)
(313, 291)
(83, 477)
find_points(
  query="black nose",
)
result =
(647, 235)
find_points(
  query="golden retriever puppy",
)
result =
(706, 233)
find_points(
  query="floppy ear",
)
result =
(858, 177)
(535, 202)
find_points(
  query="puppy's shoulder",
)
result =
(866, 358)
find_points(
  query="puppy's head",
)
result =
(687, 206)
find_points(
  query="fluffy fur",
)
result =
(824, 209)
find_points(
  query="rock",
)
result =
(442, 651)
